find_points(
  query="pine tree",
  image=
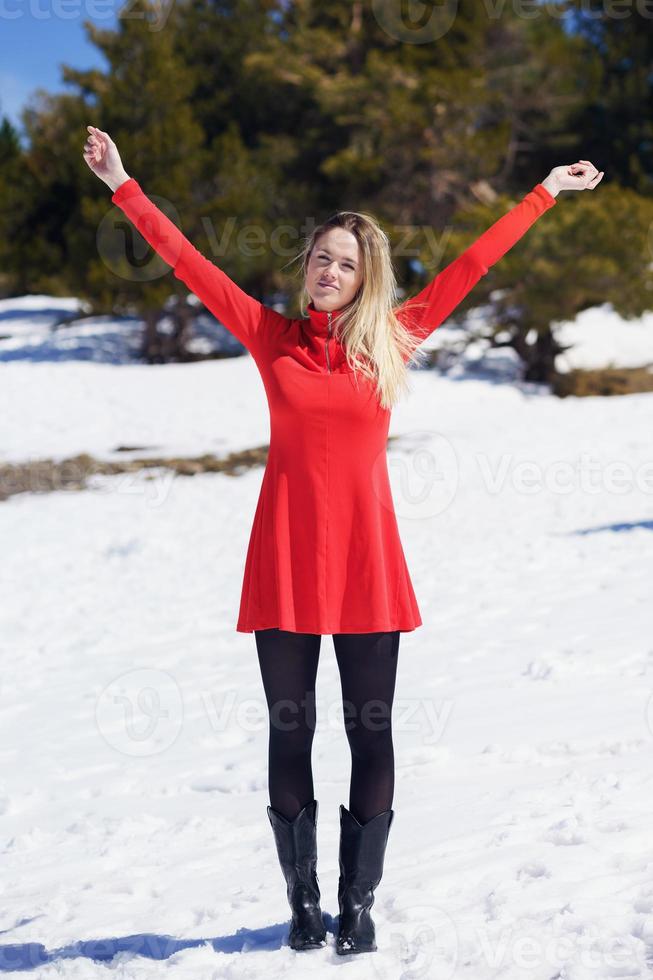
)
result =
(11, 165)
(616, 125)
(143, 102)
(591, 249)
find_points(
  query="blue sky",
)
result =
(37, 37)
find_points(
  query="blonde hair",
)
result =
(376, 342)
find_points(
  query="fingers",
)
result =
(587, 174)
(596, 181)
(585, 163)
(95, 145)
(98, 134)
(93, 142)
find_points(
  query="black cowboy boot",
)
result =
(362, 850)
(297, 849)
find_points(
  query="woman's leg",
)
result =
(288, 663)
(368, 670)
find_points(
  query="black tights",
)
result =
(368, 667)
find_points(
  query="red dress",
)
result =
(324, 552)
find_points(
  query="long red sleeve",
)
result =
(243, 315)
(443, 294)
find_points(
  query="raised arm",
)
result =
(423, 313)
(243, 315)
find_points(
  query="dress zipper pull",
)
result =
(328, 360)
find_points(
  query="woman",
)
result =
(324, 554)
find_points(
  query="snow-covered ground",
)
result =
(133, 732)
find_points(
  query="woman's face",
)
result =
(334, 273)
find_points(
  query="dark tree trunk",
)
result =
(538, 358)
(183, 331)
(152, 346)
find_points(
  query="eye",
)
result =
(348, 265)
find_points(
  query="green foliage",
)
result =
(255, 119)
(591, 248)
(616, 124)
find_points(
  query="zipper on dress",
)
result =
(328, 360)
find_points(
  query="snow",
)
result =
(597, 338)
(601, 338)
(133, 730)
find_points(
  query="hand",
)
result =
(580, 176)
(101, 155)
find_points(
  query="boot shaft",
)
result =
(296, 842)
(362, 848)
(296, 839)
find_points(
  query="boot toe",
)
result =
(310, 933)
(307, 939)
(349, 944)
(356, 936)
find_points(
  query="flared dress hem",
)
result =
(294, 628)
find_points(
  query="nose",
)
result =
(328, 273)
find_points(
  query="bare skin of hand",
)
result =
(101, 155)
(579, 176)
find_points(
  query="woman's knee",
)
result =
(369, 728)
(292, 726)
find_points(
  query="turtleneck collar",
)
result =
(320, 320)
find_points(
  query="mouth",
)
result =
(326, 285)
